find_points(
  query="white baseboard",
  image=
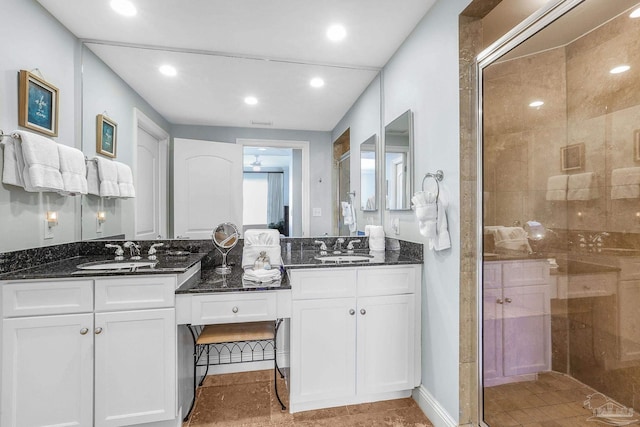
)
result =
(432, 408)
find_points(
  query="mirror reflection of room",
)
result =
(397, 158)
(561, 183)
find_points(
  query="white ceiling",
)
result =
(225, 50)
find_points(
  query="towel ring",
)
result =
(437, 177)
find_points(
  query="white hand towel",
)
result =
(256, 241)
(511, 239)
(73, 169)
(582, 186)
(625, 183)
(346, 213)
(441, 240)
(557, 187)
(108, 174)
(93, 180)
(125, 180)
(261, 275)
(11, 171)
(426, 210)
(41, 163)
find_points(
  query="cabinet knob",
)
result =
(84, 331)
(508, 300)
(98, 331)
(234, 309)
(499, 301)
(363, 311)
(352, 312)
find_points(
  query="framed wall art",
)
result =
(572, 157)
(38, 103)
(106, 136)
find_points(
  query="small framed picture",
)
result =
(106, 136)
(37, 104)
(636, 144)
(572, 157)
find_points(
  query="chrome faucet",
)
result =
(134, 250)
(350, 247)
(592, 242)
(119, 252)
(152, 250)
(337, 246)
(323, 246)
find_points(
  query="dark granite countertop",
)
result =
(572, 268)
(210, 282)
(67, 268)
(311, 259)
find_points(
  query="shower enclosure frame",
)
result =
(526, 29)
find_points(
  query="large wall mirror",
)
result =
(368, 174)
(398, 162)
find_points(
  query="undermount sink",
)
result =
(115, 265)
(344, 258)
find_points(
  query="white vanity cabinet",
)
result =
(516, 320)
(69, 361)
(355, 335)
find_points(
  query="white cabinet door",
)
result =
(135, 367)
(47, 371)
(385, 331)
(526, 329)
(323, 349)
(492, 333)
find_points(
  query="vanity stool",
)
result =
(234, 343)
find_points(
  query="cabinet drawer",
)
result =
(129, 293)
(322, 283)
(374, 281)
(524, 273)
(49, 297)
(233, 308)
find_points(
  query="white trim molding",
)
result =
(432, 408)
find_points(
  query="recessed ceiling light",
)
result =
(168, 70)
(123, 7)
(336, 32)
(316, 82)
(619, 69)
(536, 104)
(635, 13)
(251, 100)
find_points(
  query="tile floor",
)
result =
(553, 400)
(247, 399)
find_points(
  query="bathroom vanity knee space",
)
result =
(88, 351)
(355, 335)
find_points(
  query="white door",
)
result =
(47, 371)
(323, 350)
(135, 367)
(151, 179)
(386, 331)
(207, 187)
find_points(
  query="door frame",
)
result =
(297, 145)
(142, 121)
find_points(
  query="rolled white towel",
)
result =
(376, 237)
(73, 169)
(125, 180)
(582, 186)
(261, 275)
(625, 183)
(261, 240)
(557, 187)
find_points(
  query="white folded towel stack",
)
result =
(625, 183)
(41, 171)
(557, 187)
(376, 237)
(511, 239)
(260, 276)
(582, 186)
(11, 171)
(93, 180)
(108, 175)
(125, 180)
(73, 169)
(261, 240)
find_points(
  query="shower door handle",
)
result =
(499, 301)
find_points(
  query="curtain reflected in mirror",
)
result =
(264, 201)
